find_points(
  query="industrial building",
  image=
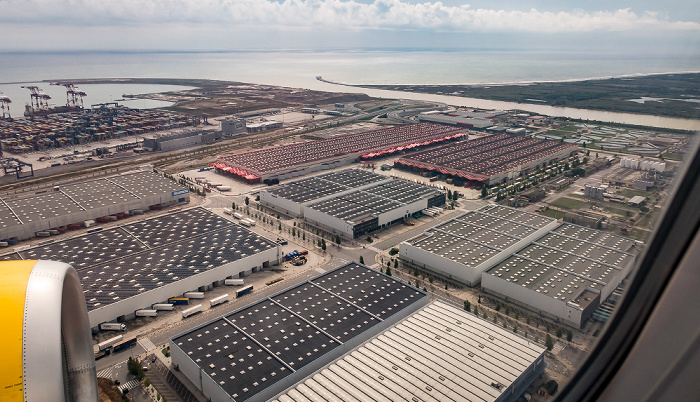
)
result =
(264, 348)
(126, 268)
(462, 118)
(355, 334)
(22, 218)
(564, 274)
(187, 138)
(287, 161)
(351, 202)
(491, 159)
(439, 353)
(233, 127)
(263, 126)
(558, 270)
(461, 249)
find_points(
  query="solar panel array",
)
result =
(252, 348)
(313, 188)
(124, 261)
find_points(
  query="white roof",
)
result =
(438, 353)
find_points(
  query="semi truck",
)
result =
(218, 300)
(109, 342)
(194, 295)
(234, 282)
(146, 313)
(192, 310)
(228, 211)
(112, 326)
(237, 215)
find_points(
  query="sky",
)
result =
(211, 25)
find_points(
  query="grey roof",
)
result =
(121, 262)
(313, 188)
(252, 348)
(438, 353)
(84, 196)
(477, 236)
(370, 202)
(566, 260)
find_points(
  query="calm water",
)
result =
(299, 69)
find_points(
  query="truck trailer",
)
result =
(194, 295)
(164, 306)
(242, 291)
(112, 326)
(109, 342)
(218, 300)
(146, 313)
(179, 300)
(192, 310)
(234, 282)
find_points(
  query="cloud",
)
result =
(325, 14)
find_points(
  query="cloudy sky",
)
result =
(310, 24)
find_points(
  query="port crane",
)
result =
(74, 96)
(39, 99)
(5, 106)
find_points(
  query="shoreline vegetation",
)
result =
(670, 95)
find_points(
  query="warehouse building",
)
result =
(439, 353)
(126, 268)
(565, 274)
(233, 127)
(287, 161)
(461, 249)
(188, 138)
(351, 202)
(558, 270)
(491, 159)
(259, 351)
(22, 218)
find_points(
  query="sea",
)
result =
(299, 69)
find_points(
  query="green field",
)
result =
(570, 203)
(553, 213)
(628, 192)
(638, 234)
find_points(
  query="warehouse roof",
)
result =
(359, 205)
(477, 236)
(254, 347)
(121, 262)
(567, 260)
(438, 353)
(84, 196)
(316, 187)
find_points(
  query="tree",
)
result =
(393, 251)
(233, 205)
(369, 239)
(551, 386)
(495, 318)
(362, 260)
(517, 315)
(528, 319)
(515, 328)
(479, 300)
(549, 343)
(588, 153)
(484, 315)
(294, 232)
(323, 244)
(279, 227)
(455, 195)
(337, 239)
(559, 332)
(449, 194)
(318, 241)
(505, 324)
(303, 236)
(507, 310)
(417, 285)
(415, 272)
(498, 306)
(431, 279)
(569, 335)
(484, 192)
(247, 201)
(388, 271)
(445, 285)
(425, 289)
(396, 264)
(548, 327)
(135, 368)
